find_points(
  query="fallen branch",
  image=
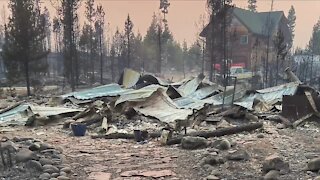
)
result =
(302, 120)
(124, 136)
(219, 132)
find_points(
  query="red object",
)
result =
(218, 66)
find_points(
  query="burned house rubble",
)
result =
(193, 112)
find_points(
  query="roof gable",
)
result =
(255, 22)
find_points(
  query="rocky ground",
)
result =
(269, 153)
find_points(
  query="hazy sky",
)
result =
(183, 14)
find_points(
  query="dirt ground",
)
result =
(125, 159)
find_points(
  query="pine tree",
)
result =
(252, 5)
(99, 26)
(292, 24)
(313, 45)
(129, 34)
(281, 52)
(90, 13)
(25, 33)
(219, 20)
(69, 18)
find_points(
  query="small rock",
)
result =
(222, 144)
(54, 175)
(193, 142)
(44, 146)
(50, 168)
(239, 155)
(66, 124)
(63, 173)
(53, 179)
(63, 178)
(260, 136)
(311, 155)
(44, 176)
(275, 162)
(314, 164)
(34, 147)
(32, 164)
(212, 177)
(317, 178)
(45, 161)
(66, 170)
(212, 160)
(25, 155)
(280, 126)
(272, 175)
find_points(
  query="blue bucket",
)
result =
(79, 129)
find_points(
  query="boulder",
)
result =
(274, 162)
(193, 142)
(45, 161)
(44, 176)
(66, 169)
(63, 178)
(238, 155)
(34, 147)
(25, 155)
(222, 144)
(272, 175)
(32, 164)
(314, 164)
(212, 160)
(54, 175)
(50, 169)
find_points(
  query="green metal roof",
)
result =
(256, 22)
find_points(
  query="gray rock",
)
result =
(260, 136)
(34, 147)
(66, 169)
(272, 175)
(44, 176)
(311, 155)
(212, 160)
(212, 177)
(32, 164)
(44, 146)
(275, 162)
(63, 178)
(53, 179)
(314, 164)
(222, 144)
(54, 175)
(45, 161)
(24, 155)
(193, 142)
(317, 178)
(50, 168)
(63, 173)
(66, 124)
(239, 155)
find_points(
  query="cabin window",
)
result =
(244, 39)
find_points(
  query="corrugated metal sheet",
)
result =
(130, 78)
(191, 86)
(138, 95)
(101, 91)
(193, 101)
(20, 113)
(160, 106)
(268, 95)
